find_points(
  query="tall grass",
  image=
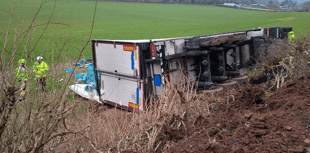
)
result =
(153, 130)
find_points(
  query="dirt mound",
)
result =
(249, 124)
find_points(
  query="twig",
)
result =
(92, 145)
(2, 59)
(93, 22)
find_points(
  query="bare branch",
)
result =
(2, 59)
(91, 32)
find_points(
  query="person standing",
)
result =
(291, 36)
(22, 76)
(40, 68)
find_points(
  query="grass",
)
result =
(116, 20)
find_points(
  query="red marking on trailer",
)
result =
(152, 50)
(133, 106)
(128, 47)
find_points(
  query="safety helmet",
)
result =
(21, 61)
(39, 58)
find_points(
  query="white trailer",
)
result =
(131, 71)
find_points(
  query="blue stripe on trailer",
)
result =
(132, 60)
(157, 80)
(137, 96)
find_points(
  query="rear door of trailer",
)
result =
(118, 63)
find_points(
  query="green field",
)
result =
(116, 20)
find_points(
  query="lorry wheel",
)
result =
(213, 89)
(228, 83)
(240, 79)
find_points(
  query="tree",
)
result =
(253, 1)
(275, 2)
(288, 3)
(29, 124)
(306, 6)
(306, 3)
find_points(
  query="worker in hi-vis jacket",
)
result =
(291, 36)
(22, 76)
(40, 68)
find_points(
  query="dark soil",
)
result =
(249, 123)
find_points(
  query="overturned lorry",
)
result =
(131, 71)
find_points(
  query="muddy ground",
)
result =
(252, 123)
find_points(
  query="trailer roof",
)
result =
(162, 39)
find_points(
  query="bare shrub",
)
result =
(155, 129)
(28, 124)
(286, 61)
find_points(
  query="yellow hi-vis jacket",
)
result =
(40, 69)
(22, 73)
(291, 36)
